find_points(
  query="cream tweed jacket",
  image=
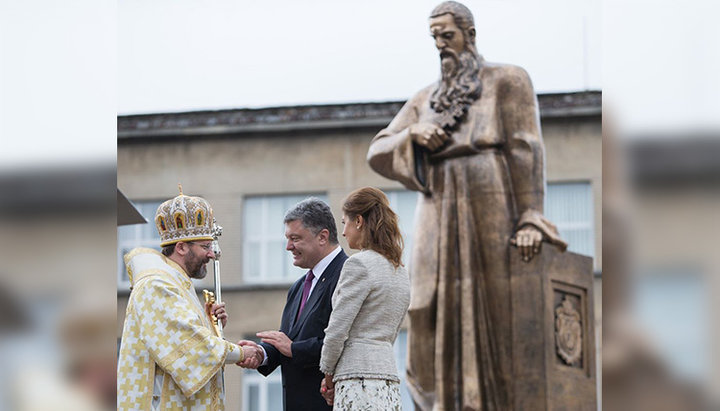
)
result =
(369, 304)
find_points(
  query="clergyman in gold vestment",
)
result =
(171, 357)
(471, 145)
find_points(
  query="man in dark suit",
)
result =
(312, 239)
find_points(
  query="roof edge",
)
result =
(314, 117)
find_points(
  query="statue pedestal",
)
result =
(553, 327)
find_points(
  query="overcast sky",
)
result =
(179, 55)
(67, 69)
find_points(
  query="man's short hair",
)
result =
(315, 215)
(168, 250)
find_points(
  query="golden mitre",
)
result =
(184, 218)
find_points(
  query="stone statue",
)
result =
(471, 144)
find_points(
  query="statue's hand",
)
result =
(428, 135)
(528, 240)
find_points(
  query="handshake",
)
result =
(253, 354)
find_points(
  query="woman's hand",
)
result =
(327, 389)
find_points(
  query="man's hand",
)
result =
(327, 389)
(527, 239)
(219, 311)
(428, 135)
(278, 340)
(253, 354)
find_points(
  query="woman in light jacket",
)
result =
(369, 303)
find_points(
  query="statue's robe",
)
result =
(170, 357)
(476, 191)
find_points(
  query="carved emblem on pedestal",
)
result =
(568, 332)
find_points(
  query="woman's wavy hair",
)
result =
(380, 231)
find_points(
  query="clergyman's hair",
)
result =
(380, 232)
(168, 250)
(315, 215)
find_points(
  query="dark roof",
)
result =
(314, 117)
(675, 161)
(126, 212)
(56, 192)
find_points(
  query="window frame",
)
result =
(575, 226)
(290, 272)
(408, 237)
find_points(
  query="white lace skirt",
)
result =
(365, 394)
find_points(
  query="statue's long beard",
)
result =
(458, 88)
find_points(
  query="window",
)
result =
(570, 207)
(262, 393)
(671, 305)
(400, 358)
(265, 259)
(403, 203)
(137, 235)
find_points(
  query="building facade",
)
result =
(253, 164)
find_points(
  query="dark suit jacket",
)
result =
(301, 374)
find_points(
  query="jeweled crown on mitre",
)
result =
(184, 218)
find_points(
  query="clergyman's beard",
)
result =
(195, 265)
(458, 88)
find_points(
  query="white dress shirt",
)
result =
(320, 267)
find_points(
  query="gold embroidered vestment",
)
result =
(170, 357)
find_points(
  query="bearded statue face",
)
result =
(460, 63)
(448, 36)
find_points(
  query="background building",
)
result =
(253, 164)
